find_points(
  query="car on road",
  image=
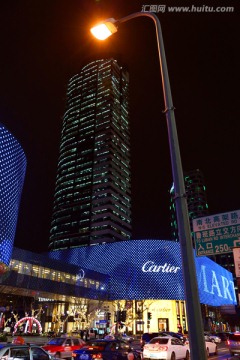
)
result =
(207, 338)
(174, 334)
(128, 338)
(211, 347)
(233, 343)
(104, 349)
(62, 347)
(223, 335)
(23, 352)
(166, 347)
(213, 338)
(147, 337)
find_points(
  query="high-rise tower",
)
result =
(196, 199)
(92, 200)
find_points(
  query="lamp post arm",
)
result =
(161, 51)
(195, 324)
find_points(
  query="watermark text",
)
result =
(187, 9)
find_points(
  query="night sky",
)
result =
(45, 42)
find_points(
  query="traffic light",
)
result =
(117, 317)
(123, 315)
(149, 315)
(120, 316)
(109, 316)
(139, 314)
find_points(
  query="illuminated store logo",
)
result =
(150, 266)
(80, 275)
(41, 299)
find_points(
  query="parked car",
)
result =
(233, 343)
(62, 347)
(30, 352)
(166, 347)
(105, 350)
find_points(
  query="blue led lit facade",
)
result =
(52, 278)
(12, 174)
(151, 269)
(138, 274)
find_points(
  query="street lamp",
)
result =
(104, 30)
(195, 326)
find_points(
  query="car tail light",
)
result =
(163, 348)
(74, 355)
(228, 342)
(97, 356)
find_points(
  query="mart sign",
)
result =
(217, 234)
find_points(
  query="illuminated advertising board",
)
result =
(215, 284)
(151, 269)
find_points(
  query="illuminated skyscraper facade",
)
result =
(12, 174)
(92, 200)
(196, 199)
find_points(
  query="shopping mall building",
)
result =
(136, 283)
(73, 289)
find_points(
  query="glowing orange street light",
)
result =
(105, 29)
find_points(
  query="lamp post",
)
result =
(195, 326)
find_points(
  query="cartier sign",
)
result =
(151, 266)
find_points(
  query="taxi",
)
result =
(62, 347)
